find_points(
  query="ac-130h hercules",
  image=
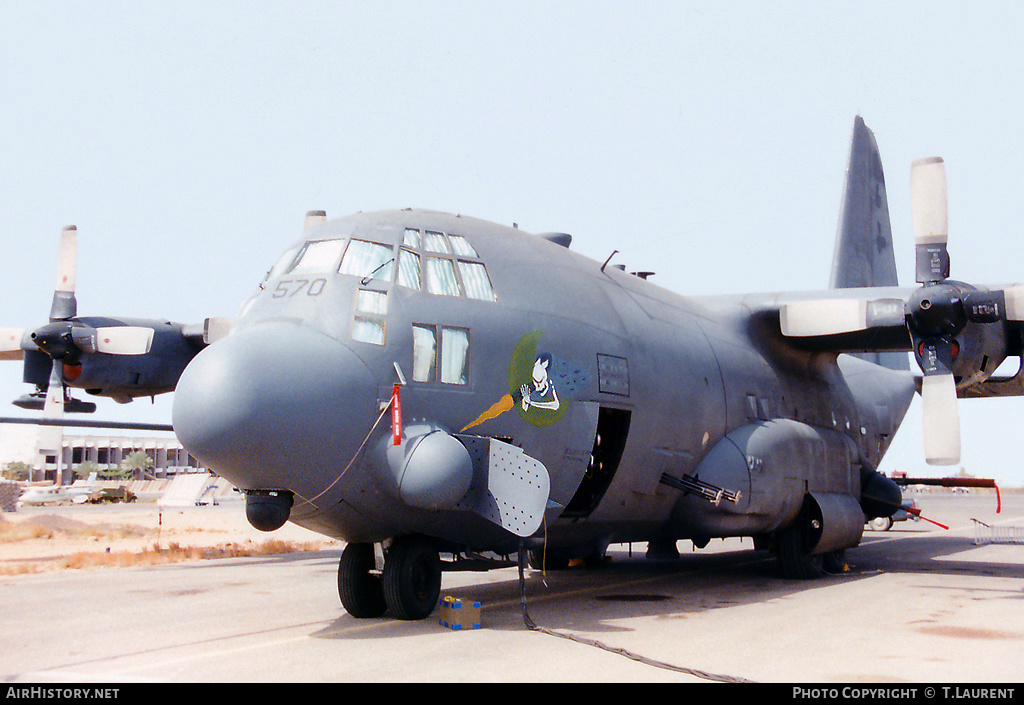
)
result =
(433, 389)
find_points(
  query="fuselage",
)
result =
(609, 381)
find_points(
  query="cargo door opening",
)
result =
(609, 443)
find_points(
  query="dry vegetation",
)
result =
(51, 542)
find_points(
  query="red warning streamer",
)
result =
(396, 416)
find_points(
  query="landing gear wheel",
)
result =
(881, 523)
(361, 592)
(412, 578)
(795, 560)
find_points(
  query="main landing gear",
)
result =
(408, 586)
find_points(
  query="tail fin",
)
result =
(864, 254)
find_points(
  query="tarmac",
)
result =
(919, 605)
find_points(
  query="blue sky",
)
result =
(704, 140)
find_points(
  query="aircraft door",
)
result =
(572, 449)
(609, 443)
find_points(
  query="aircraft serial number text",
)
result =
(287, 288)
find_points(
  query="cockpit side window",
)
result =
(318, 256)
(283, 263)
(409, 269)
(368, 260)
(370, 322)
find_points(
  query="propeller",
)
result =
(935, 315)
(938, 312)
(65, 339)
(935, 312)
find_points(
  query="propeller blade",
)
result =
(822, 317)
(833, 316)
(10, 343)
(113, 340)
(124, 340)
(64, 305)
(930, 218)
(1014, 296)
(51, 437)
(941, 420)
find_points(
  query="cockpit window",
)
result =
(439, 263)
(412, 238)
(434, 242)
(476, 281)
(368, 260)
(282, 264)
(409, 269)
(319, 256)
(461, 246)
(440, 276)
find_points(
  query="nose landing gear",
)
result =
(408, 586)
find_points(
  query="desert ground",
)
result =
(37, 539)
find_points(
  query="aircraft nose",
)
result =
(275, 406)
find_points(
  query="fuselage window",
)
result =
(440, 275)
(319, 256)
(424, 352)
(476, 281)
(455, 355)
(368, 260)
(409, 274)
(368, 330)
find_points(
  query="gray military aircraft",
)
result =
(437, 390)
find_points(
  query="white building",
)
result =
(19, 443)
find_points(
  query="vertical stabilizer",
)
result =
(864, 254)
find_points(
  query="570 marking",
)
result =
(291, 287)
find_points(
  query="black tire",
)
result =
(412, 578)
(361, 592)
(794, 559)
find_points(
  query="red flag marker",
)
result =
(396, 416)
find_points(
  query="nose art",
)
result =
(271, 405)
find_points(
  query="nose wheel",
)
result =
(408, 587)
